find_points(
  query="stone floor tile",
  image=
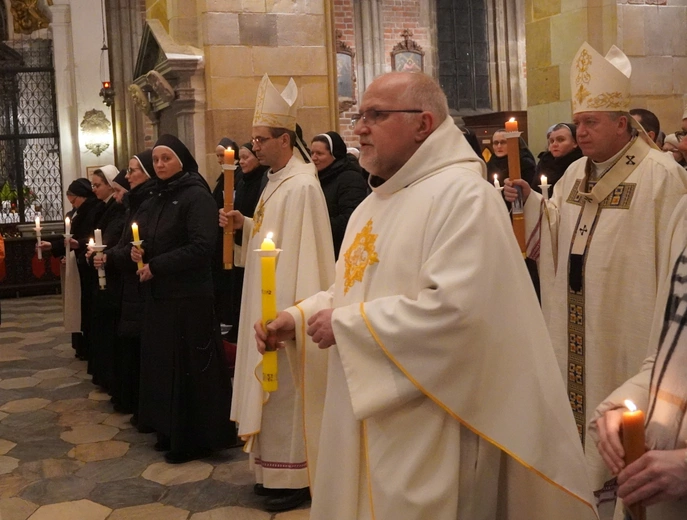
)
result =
(80, 509)
(12, 485)
(58, 383)
(144, 452)
(40, 353)
(40, 449)
(19, 382)
(58, 489)
(202, 495)
(118, 420)
(16, 508)
(127, 493)
(65, 347)
(297, 514)
(232, 513)
(149, 512)
(30, 426)
(8, 464)
(99, 451)
(68, 392)
(49, 468)
(237, 473)
(98, 395)
(175, 474)
(72, 405)
(10, 353)
(6, 446)
(3, 415)
(82, 417)
(24, 405)
(89, 433)
(83, 374)
(52, 373)
(113, 469)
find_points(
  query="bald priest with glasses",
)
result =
(293, 208)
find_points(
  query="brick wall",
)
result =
(397, 15)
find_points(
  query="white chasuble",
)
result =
(600, 268)
(444, 400)
(292, 206)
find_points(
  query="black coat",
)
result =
(83, 223)
(344, 188)
(119, 259)
(499, 165)
(179, 229)
(553, 167)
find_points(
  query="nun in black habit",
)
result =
(185, 390)
(139, 180)
(86, 211)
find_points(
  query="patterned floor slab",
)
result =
(65, 454)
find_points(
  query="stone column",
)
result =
(65, 90)
(369, 43)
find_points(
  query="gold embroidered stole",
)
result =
(608, 192)
(260, 210)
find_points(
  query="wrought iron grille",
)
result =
(30, 178)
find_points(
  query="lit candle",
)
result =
(269, 312)
(496, 181)
(38, 224)
(634, 445)
(98, 237)
(511, 125)
(91, 242)
(134, 230)
(544, 183)
(229, 156)
(67, 225)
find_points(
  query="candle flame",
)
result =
(67, 220)
(269, 235)
(496, 177)
(630, 405)
(511, 120)
(91, 242)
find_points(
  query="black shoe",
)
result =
(179, 457)
(163, 443)
(262, 491)
(290, 500)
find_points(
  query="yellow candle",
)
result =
(634, 446)
(511, 125)
(269, 312)
(137, 238)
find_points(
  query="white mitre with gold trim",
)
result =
(274, 109)
(598, 83)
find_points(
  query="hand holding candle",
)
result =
(137, 241)
(268, 263)
(634, 446)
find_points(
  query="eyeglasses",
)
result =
(133, 170)
(369, 117)
(500, 143)
(260, 140)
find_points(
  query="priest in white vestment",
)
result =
(605, 240)
(293, 208)
(443, 398)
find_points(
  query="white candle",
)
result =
(39, 252)
(67, 225)
(91, 242)
(544, 184)
(38, 223)
(496, 181)
(98, 237)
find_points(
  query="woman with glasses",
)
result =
(341, 179)
(185, 391)
(140, 179)
(105, 309)
(498, 162)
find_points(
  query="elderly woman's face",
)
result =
(321, 156)
(135, 174)
(247, 160)
(500, 144)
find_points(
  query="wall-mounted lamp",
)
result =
(96, 131)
